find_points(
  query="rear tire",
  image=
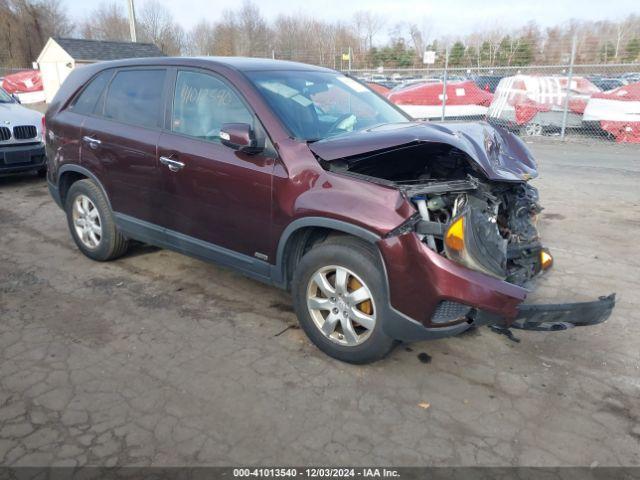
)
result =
(342, 325)
(92, 224)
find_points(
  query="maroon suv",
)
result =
(383, 228)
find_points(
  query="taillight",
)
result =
(44, 127)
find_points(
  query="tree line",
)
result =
(25, 26)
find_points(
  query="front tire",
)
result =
(338, 294)
(91, 222)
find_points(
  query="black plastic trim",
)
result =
(562, 316)
(278, 270)
(72, 167)
(401, 327)
(165, 238)
(54, 191)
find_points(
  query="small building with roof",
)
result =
(61, 55)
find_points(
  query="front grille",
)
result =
(448, 311)
(24, 132)
(5, 134)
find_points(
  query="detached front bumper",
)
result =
(562, 316)
(420, 281)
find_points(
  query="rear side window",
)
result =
(87, 101)
(135, 97)
(202, 103)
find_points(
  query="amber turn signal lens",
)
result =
(455, 235)
(546, 260)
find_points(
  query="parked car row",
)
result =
(490, 81)
(527, 104)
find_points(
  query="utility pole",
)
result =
(565, 110)
(350, 53)
(132, 21)
(444, 83)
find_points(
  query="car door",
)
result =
(219, 195)
(119, 141)
(64, 142)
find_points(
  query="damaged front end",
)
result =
(488, 228)
(474, 205)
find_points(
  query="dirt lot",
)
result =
(161, 359)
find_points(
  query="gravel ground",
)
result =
(159, 359)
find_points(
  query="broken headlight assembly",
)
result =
(487, 228)
(473, 239)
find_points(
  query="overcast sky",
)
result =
(441, 17)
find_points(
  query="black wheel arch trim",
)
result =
(278, 271)
(73, 167)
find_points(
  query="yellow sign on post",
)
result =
(345, 57)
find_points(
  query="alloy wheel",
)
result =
(533, 129)
(341, 305)
(87, 222)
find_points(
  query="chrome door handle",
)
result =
(174, 165)
(93, 142)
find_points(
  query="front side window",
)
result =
(203, 103)
(135, 97)
(87, 101)
(315, 105)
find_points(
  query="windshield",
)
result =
(5, 97)
(317, 105)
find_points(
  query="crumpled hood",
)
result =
(499, 154)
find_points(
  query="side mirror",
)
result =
(240, 137)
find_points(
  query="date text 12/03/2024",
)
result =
(316, 473)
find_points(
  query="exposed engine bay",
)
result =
(486, 225)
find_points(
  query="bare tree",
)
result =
(420, 38)
(156, 25)
(225, 33)
(26, 25)
(370, 24)
(201, 39)
(107, 22)
(253, 32)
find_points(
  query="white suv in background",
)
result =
(21, 137)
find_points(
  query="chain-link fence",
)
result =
(592, 100)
